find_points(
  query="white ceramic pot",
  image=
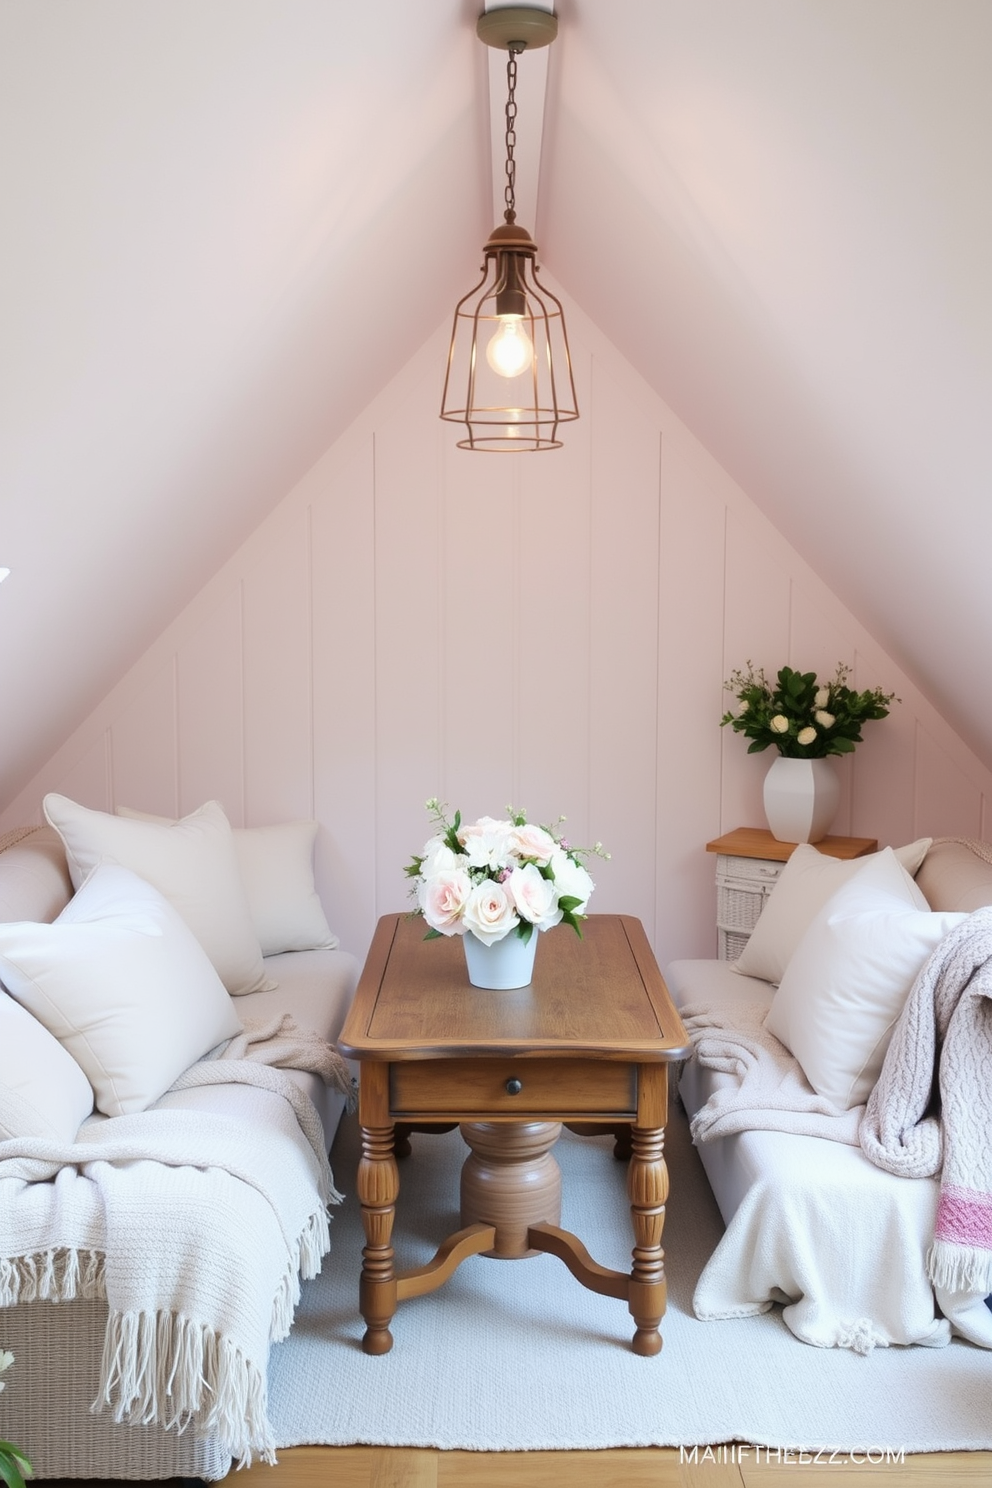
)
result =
(801, 799)
(505, 964)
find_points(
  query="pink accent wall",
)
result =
(548, 631)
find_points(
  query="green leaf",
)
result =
(569, 902)
(568, 918)
(14, 1466)
(525, 930)
(433, 934)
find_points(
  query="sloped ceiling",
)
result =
(226, 224)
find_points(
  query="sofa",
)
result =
(795, 1046)
(169, 1090)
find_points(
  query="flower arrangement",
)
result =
(14, 1466)
(801, 717)
(496, 878)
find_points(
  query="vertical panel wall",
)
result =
(548, 631)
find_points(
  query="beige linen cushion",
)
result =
(124, 986)
(805, 884)
(193, 863)
(849, 978)
(34, 879)
(43, 1092)
(954, 876)
(277, 871)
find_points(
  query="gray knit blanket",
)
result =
(931, 1110)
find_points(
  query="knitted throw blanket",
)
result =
(942, 1046)
(771, 1093)
(195, 1220)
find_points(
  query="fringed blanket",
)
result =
(773, 1094)
(931, 1111)
(195, 1224)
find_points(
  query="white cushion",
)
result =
(849, 978)
(277, 871)
(192, 862)
(124, 986)
(805, 884)
(43, 1092)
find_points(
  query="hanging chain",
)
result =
(509, 194)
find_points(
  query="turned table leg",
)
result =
(647, 1188)
(378, 1187)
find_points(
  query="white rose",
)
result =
(779, 724)
(488, 843)
(825, 720)
(535, 897)
(822, 697)
(571, 880)
(443, 899)
(489, 912)
(806, 736)
(534, 842)
(437, 857)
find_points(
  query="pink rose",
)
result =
(443, 899)
(489, 912)
(531, 841)
(536, 898)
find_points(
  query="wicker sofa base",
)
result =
(46, 1405)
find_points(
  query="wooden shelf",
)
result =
(758, 842)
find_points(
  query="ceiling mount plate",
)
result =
(524, 25)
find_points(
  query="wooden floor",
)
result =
(661, 1467)
(655, 1467)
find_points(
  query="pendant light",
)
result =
(509, 376)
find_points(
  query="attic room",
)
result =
(245, 561)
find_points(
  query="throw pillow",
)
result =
(124, 986)
(277, 871)
(43, 1092)
(805, 884)
(849, 978)
(193, 863)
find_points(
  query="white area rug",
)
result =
(516, 1355)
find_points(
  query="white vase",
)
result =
(801, 799)
(505, 964)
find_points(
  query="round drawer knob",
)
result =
(514, 1087)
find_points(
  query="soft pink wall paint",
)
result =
(549, 631)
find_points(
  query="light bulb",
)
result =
(510, 351)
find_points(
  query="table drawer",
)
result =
(465, 1088)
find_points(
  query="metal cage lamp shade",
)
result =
(509, 376)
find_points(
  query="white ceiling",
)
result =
(212, 213)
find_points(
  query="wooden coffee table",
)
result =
(589, 1043)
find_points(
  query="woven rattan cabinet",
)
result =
(742, 886)
(748, 864)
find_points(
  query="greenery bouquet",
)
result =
(801, 717)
